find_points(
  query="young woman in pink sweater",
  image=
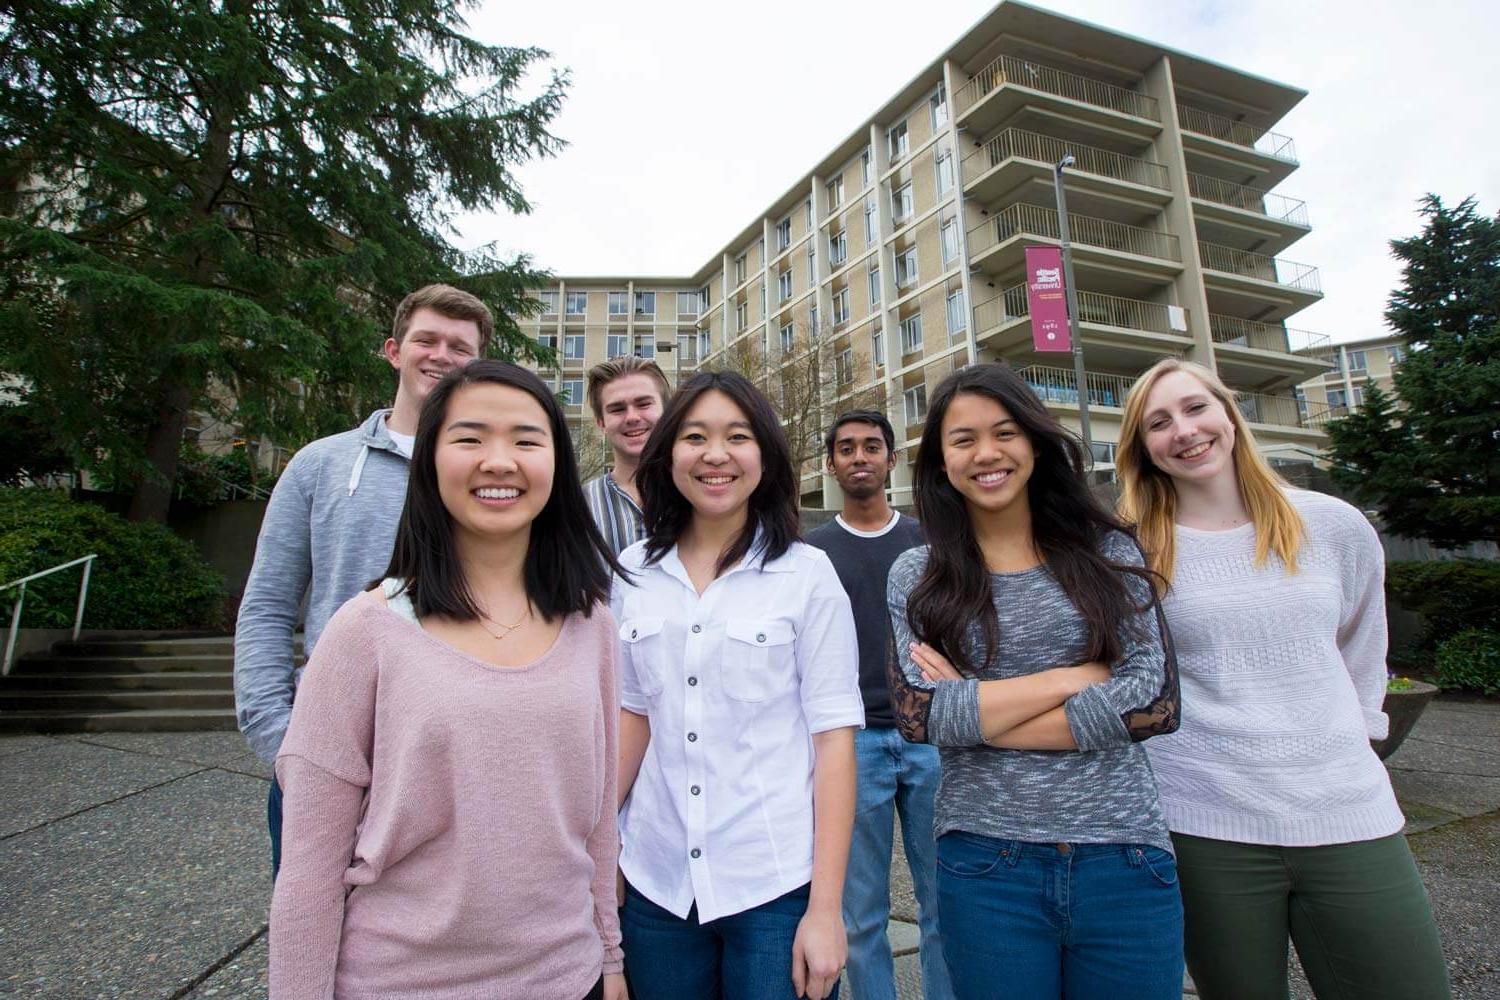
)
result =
(1282, 817)
(450, 768)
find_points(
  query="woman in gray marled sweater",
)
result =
(1030, 648)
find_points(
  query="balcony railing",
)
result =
(1015, 142)
(1059, 386)
(1303, 277)
(1265, 336)
(1239, 133)
(1083, 229)
(1282, 411)
(1093, 307)
(1250, 199)
(1051, 80)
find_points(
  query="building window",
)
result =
(548, 340)
(838, 249)
(1395, 355)
(764, 306)
(938, 105)
(645, 347)
(739, 270)
(572, 392)
(1336, 399)
(870, 221)
(835, 193)
(784, 285)
(916, 403)
(841, 306)
(548, 301)
(944, 171)
(812, 319)
(898, 142)
(687, 303)
(901, 203)
(809, 213)
(618, 304)
(573, 346)
(741, 317)
(788, 338)
(957, 321)
(578, 303)
(812, 265)
(783, 234)
(1356, 361)
(1338, 362)
(703, 300)
(911, 334)
(874, 284)
(617, 345)
(645, 303)
(906, 268)
(705, 343)
(877, 346)
(843, 366)
(687, 349)
(1104, 452)
(948, 237)
(866, 165)
(1357, 397)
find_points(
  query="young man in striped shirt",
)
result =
(627, 395)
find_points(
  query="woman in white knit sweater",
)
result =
(1282, 817)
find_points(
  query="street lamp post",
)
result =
(1072, 292)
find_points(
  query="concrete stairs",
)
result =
(122, 685)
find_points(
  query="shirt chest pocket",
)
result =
(642, 645)
(759, 662)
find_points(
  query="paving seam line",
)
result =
(150, 753)
(98, 805)
(207, 973)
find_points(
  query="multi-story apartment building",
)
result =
(1357, 365)
(900, 252)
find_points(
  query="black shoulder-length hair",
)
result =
(567, 562)
(773, 505)
(1068, 525)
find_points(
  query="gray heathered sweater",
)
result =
(1104, 791)
(327, 533)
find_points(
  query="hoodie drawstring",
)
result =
(359, 468)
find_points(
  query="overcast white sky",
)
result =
(662, 111)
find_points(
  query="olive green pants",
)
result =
(1357, 913)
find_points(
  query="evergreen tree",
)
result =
(1430, 459)
(215, 205)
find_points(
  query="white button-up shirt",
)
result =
(735, 682)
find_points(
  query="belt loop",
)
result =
(1010, 852)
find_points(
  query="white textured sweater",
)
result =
(1283, 675)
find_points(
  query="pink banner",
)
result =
(1047, 299)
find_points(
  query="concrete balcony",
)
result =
(1117, 332)
(1239, 281)
(1246, 216)
(1271, 154)
(995, 246)
(1058, 387)
(1016, 156)
(1281, 413)
(1247, 351)
(1009, 83)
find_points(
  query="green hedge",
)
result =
(1451, 596)
(145, 577)
(1469, 661)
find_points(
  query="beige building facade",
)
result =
(898, 258)
(1357, 365)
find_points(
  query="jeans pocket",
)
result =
(1159, 863)
(964, 855)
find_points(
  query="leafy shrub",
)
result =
(145, 576)
(1451, 596)
(1470, 660)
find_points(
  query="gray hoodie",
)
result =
(328, 532)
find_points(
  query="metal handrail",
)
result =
(1283, 411)
(1251, 199)
(1093, 307)
(1264, 336)
(1239, 133)
(1085, 230)
(1248, 264)
(15, 615)
(1051, 80)
(1016, 142)
(1059, 386)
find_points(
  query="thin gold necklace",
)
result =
(508, 629)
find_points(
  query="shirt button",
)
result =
(632, 633)
(695, 853)
(692, 737)
(760, 637)
(692, 682)
(697, 628)
(695, 789)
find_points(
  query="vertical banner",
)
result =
(1047, 299)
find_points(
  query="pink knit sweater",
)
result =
(449, 826)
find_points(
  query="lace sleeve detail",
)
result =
(911, 704)
(1163, 714)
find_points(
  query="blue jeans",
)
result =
(744, 956)
(896, 778)
(273, 824)
(1074, 921)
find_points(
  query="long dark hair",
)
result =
(773, 505)
(1068, 525)
(567, 562)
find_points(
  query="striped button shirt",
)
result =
(615, 511)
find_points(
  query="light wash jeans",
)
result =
(896, 778)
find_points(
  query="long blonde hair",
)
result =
(1149, 500)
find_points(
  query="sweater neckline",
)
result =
(485, 665)
(1247, 527)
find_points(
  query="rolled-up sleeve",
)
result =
(828, 654)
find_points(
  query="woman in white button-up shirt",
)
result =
(740, 688)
